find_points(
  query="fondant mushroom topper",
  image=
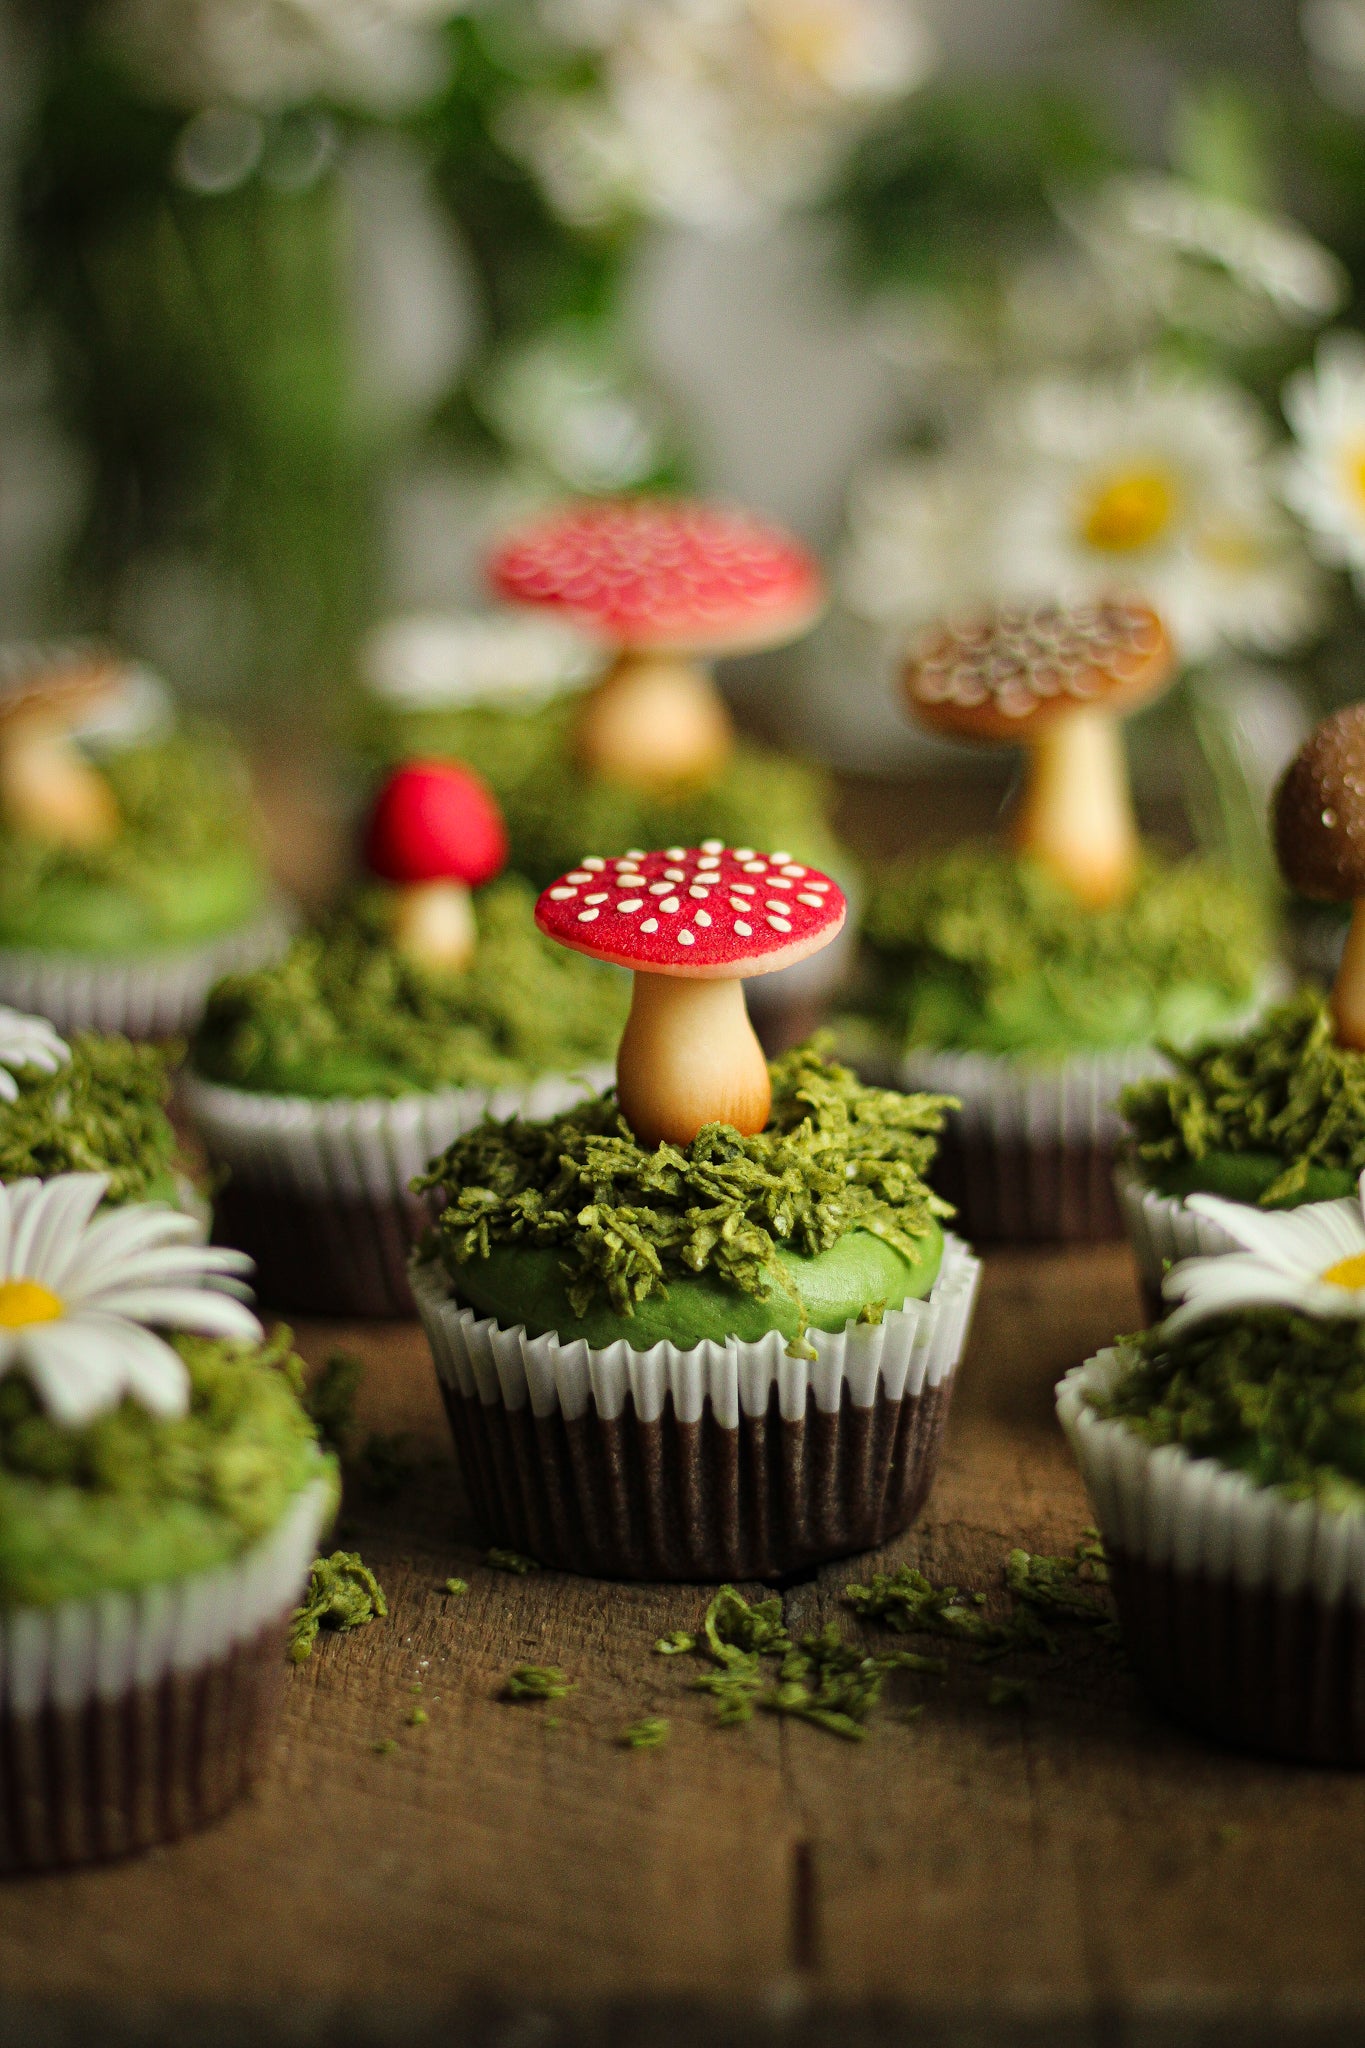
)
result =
(435, 832)
(48, 789)
(1319, 821)
(669, 584)
(692, 922)
(1056, 680)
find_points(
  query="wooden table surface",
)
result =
(1073, 1871)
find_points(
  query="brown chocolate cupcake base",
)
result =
(724, 1461)
(323, 1255)
(1282, 1673)
(1028, 1190)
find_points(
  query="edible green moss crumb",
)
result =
(1276, 1396)
(979, 949)
(651, 1733)
(554, 815)
(1285, 1087)
(1042, 1590)
(536, 1682)
(456, 1586)
(678, 1643)
(417, 1717)
(510, 1561)
(346, 1014)
(103, 1111)
(331, 1399)
(133, 1499)
(343, 1593)
(386, 1746)
(835, 1156)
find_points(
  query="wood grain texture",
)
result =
(1077, 1871)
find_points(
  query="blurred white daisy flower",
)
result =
(1324, 478)
(382, 55)
(428, 661)
(1192, 259)
(1158, 485)
(715, 112)
(920, 541)
(1310, 1259)
(1334, 31)
(27, 1042)
(82, 1296)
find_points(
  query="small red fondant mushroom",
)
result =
(48, 789)
(668, 583)
(436, 832)
(692, 922)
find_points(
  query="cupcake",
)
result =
(705, 1325)
(1274, 1115)
(161, 1496)
(130, 876)
(1033, 981)
(323, 1085)
(1224, 1454)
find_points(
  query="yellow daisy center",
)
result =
(810, 38)
(1128, 511)
(1353, 470)
(28, 1301)
(1347, 1273)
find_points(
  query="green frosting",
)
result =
(571, 1225)
(555, 815)
(1280, 1397)
(132, 1499)
(102, 1112)
(1274, 1116)
(345, 1014)
(183, 868)
(980, 950)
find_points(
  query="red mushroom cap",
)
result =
(434, 821)
(710, 912)
(664, 575)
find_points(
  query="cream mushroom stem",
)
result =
(655, 721)
(48, 790)
(1348, 991)
(688, 1057)
(1076, 818)
(433, 924)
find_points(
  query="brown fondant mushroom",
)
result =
(1056, 680)
(1319, 818)
(669, 584)
(692, 922)
(48, 790)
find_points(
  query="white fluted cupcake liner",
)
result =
(730, 1460)
(1161, 1231)
(143, 995)
(128, 1718)
(1241, 1609)
(319, 1192)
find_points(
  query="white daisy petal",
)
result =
(207, 1312)
(53, 1221)
(1302, 1240)
(75, 1371)
(151, 1370)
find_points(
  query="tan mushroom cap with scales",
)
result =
(1319, 821)
(1056, 679)
(47, 789)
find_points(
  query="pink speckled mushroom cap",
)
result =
(709, 913)
(664, 575)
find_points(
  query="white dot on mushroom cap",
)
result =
(675, 875)
(793, 871)
(562, 895)
(780, 859)
(780, 924)
(635, 853)
(780, 908)
(708, 860)
(651, 924)
(670, 904)
(743, 888)
(713, 846)
(746, 931)
(598, 896)
(594, 861)
(744, 853)
(637, 903)
(815, 902)
(661, 888)
(822, 887)
(577, 875)
(703, 917)
(587, 916)
(686, 939)
(695, 891)
(778, 882)
(755, 867)
(674, 852)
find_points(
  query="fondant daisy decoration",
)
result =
(27, 1042)
(84, 1296)
(1310, 1259)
